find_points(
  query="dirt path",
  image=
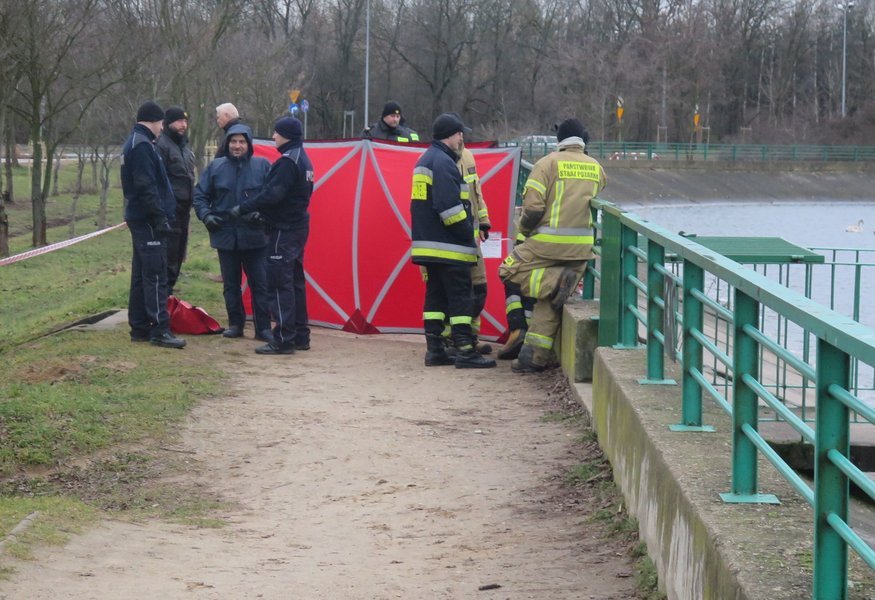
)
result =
(353, 472)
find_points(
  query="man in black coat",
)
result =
(179, 162)
(150, 208)
(283, 204)
(391, 126)
(241, 242)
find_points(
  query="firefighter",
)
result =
(557, 226)
(391, 126)
(442, 229)
(480, 214)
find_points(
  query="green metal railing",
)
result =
(839, 343)
(707, 152)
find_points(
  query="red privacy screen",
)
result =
(357, 262)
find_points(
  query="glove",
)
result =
(212, 222)
(163, 227)
(253, 218)
(484, 231)
(234, 213)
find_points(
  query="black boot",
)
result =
(468, 357)
(525, 363)
(436, 352)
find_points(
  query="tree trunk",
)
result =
(56, 171)
(10, 157)
(105, 163)
(37, 198)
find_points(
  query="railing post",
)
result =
(628, 292)
(745, 363)
(830, 484)
(691, 409)
(655, 293)
(609, 297)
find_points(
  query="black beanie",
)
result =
(290, 128)
(150, 112)
(446, 125)
(391, 108)
(174, 113)
(571, 128)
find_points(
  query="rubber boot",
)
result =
(567, 283)
(525, 363)
(512, 346)
(436, 353)
(468, 357)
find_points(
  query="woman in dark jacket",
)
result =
(242, 242)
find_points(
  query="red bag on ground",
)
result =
(191, 320)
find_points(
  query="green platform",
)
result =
(758, 250)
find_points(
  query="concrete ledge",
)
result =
(578, 338)
(702, 548)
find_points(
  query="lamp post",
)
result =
(367, 56)
(845, 7)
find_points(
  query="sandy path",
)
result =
(354, 472)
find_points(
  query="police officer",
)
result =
(443, 242)
(283, 203)
(391, 126)
(149, 210)
(178, 159)
(557, 227)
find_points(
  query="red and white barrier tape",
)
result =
(52, 247)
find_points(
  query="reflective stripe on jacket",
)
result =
(441, 224)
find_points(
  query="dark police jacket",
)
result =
(286, 194)
(225, 183)
(148, 196)
(441, 223)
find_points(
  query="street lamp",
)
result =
(845, 7)
(367, 56)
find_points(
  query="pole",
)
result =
(845, 8)
(367, 57)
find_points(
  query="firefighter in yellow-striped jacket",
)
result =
(443, 242)
(557, 226)
(480, 213)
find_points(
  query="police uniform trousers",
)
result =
(286, 286)
(177, 243)
(538, 278)
(252, 262)
(448, 295)
(147, 300)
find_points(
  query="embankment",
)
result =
(681, 181)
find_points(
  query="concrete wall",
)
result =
(702, 548)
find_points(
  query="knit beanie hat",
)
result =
(150, 112)
(174, 113)
(391, 108)
(571, 128)
(290, 128)
(447, 124)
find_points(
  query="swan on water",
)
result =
(858, 228)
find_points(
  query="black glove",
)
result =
(163, 227)
(253, 218)
(234, 213)
(212, 222)
(484, 231)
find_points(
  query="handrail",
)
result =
(652, 151)
(840, 341)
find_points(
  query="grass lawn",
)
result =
(84, 412)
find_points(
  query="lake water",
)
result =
(808, 224)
